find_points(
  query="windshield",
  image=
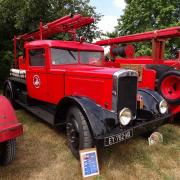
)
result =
(90, 57)
(67, 56)
(62, 56)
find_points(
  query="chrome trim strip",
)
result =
(116, 75)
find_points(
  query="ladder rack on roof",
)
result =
(68, 24)
(158, 34)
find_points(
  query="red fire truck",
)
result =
(166, 79)
(66, 84)
(10, 128)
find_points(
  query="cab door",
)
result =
(36, 75)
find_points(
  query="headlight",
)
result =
(125, 116)
(163, 107)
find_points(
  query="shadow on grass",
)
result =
(42, 153)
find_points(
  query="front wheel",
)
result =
(78, 133)
(7, 151)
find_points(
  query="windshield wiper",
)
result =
(72, 55)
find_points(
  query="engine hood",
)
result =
(86, 70)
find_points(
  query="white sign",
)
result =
(89, 162)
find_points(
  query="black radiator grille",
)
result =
(127, 93)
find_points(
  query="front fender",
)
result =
(151, 100)
(9, 126)
(97, 117)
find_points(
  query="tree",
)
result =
(146, 15)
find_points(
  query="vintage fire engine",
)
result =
(155, 72)
(65, 83)
(10, 128)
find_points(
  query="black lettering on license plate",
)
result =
(108, 141)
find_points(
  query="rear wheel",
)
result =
(78, 133)
(169, 86)
(7, 151)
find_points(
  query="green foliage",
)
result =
(146, 15)
(22, 16)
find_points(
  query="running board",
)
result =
(38, 112)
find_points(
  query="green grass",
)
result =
(42, 153)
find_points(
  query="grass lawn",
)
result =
(42, 153)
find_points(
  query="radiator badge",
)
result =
(36, 81)
(140, 101)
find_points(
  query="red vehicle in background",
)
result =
(10, 129)
(155, 72)
(66, 84)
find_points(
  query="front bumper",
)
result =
(11, 132)
(133, 131)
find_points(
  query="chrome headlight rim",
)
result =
(163, 107)
(123, 119)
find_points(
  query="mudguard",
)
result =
(95, 115)
(102, 121)
(151, 100)
(9, 126)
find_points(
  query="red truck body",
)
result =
(66, 83)
(10, 128)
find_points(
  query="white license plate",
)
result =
(108, 141)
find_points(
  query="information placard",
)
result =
(89, 162)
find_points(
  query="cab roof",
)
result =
(64, 44)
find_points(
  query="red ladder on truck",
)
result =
(68, 24)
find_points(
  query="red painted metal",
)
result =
(157, 34)
(65, 24)
(158, 39)
(10, 128)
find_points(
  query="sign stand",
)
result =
(89, 162)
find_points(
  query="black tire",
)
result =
(160, 81)
(9, 94)
(7, 151)
(177, 118)
(160, 69)
(78, 133)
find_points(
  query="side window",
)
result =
(37, 57)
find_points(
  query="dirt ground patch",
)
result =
(42, 153)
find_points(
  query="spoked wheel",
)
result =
(7, 151)
(169, 86)
(78, 133)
